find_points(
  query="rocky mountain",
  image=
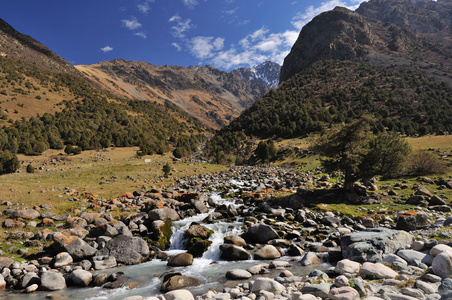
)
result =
(390, 58)
(267, 73)
(212, 96)
(401, 34)
(45, 102)
(20, 47)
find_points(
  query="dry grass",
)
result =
(107, 174)
(431, 141)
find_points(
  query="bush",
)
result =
(9, 163)
(178, 153)
(166, 170)
(423, 162)
(30, 169)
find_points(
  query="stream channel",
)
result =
(145, 278)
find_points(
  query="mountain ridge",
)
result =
(210, 95)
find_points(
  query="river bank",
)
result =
(252, 235)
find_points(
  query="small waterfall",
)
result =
(220, 230)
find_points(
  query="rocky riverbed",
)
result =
(270, 242)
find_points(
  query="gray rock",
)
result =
(104, 262)
(267, 284)
(416, 293)
(163, 214)
(378, 270)
(231, 252)
(235, 240)
(262, 233)
(178, 282)
(238, 274)
(427, 288)
(445, 286)
(343, 293)
(412, 221)
(319, 290)
(81, 278)
(310, 258)
(73, 245)
(127, 250)
(31, 288)
(267, 252)
(442, 264)
(30, 279)
(52, 281)
(373, 244)
(394, 296)
(180, 260)
(62, 259)
(179, 295)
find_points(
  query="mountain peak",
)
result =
(266, 73)
(17, 46)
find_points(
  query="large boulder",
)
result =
(161, 233)
(30, 279)
(261, 233)
(412, 220)
(126, 249)
(442, 264)
(371, 245)
(267, 252)
(163, 214)
(343, 293)
(81, 277)
(198, 231)
(75, 246)
(180, 260)
(62, 259)
(104, 262)
(267, 284)
(52, 281)
(235, 240)
(238, 274)
(231, 252)
(179, 282)
(377, 270)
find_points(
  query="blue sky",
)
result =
(223, 33)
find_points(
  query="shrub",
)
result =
(423, 162)
(166, 169)
(9, 163)
(178, 153)
(30, 169)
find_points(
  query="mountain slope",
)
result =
(391, 59)
(20, 47)
(46, 103)
(401, 34)
(212, 96)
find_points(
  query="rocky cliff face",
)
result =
(404, 34)
(266, 74)
(212, 96)
(17, 46)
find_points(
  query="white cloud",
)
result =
(190, 3)
(141, 34)
(205, 47)
(106, 49)
(302, 18)
(259, 46)
(181, 26)
(131, 24)
(177, 46)
(145, 6)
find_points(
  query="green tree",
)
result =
(178, 153)
(265, 150)
(358, 153)
(30, 168)
(166, 169)
(9, 163)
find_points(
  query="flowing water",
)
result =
(144, 278)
